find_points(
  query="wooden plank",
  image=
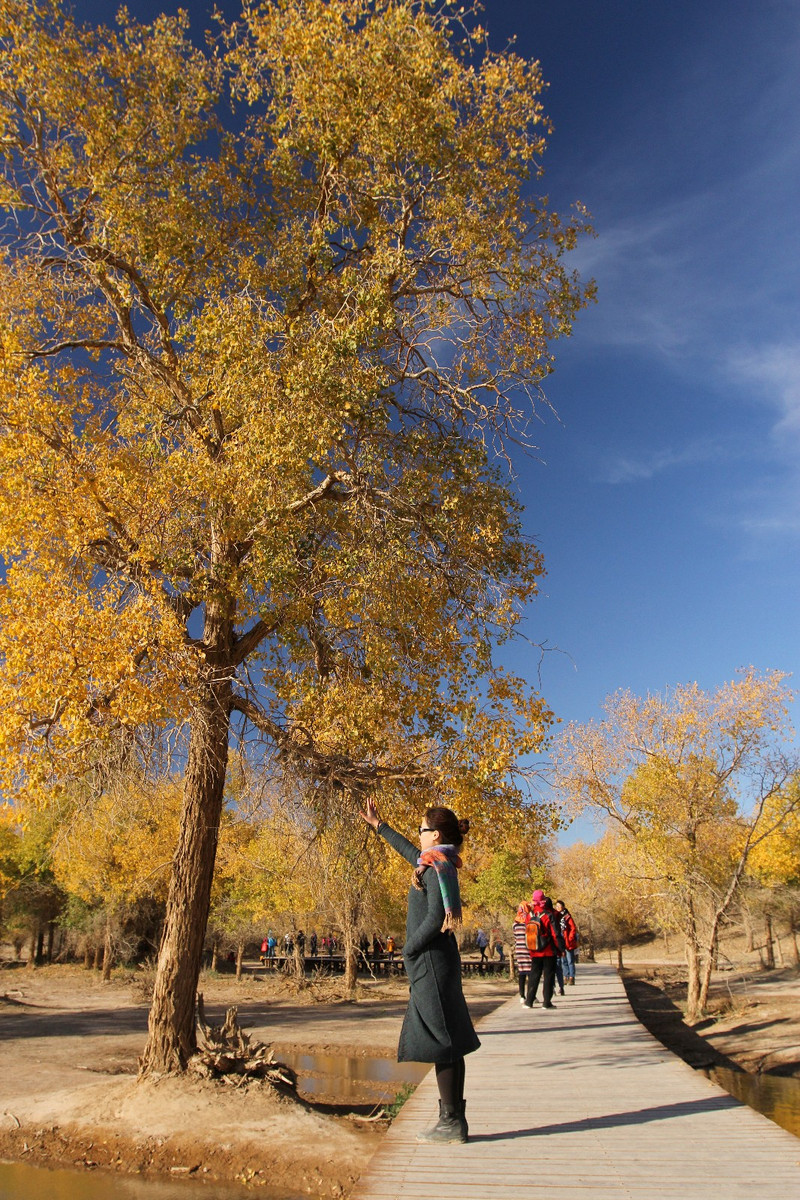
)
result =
(582, 1101)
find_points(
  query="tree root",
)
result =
(225, 1051)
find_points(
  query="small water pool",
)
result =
(351, 1079)
(776, 1096)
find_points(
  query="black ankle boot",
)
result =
(464, 1125)
(451, 1127)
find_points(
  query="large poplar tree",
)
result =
(269, 306)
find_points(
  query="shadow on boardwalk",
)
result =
(660, 1112)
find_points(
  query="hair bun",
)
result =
(463, 826)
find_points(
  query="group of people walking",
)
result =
(545, 942)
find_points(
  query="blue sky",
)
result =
(667, 498)
(666, 495)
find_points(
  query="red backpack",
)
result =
(536, 934)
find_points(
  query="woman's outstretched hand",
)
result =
(370, 814)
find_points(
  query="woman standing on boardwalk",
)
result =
(437, 1027)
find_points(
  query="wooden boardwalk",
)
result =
(582, 1103)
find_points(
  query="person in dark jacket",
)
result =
(543, 961)
(437, 1027)
(555, 922)
(569, 934)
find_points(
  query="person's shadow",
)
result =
(639, 1116)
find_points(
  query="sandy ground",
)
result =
(69, 1094)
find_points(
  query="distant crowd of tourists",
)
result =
(323, 947)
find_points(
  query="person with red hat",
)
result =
(544, 947)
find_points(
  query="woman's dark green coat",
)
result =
(437, 1026)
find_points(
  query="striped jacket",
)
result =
(522, 954)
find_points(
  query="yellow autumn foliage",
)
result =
(268, 308)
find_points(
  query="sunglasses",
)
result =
(426, 829)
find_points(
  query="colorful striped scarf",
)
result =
(445, 861)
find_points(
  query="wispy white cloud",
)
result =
(632, 468)
(773, 372)
(648, 298)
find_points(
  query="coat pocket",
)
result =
(416, 967)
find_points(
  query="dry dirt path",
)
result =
(582, 1102)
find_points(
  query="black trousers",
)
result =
(543, 968)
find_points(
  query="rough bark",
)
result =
(350, 962)
(172, 1039)
(693, 985)
(588, 949)
(239, 959)
(108, 953)
(769, 943)
(795, 950)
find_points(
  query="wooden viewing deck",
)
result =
(335, 965)
(582, 1103)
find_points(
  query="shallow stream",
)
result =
(18, 1181)
(776, 1096)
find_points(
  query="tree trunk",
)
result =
(769, 945)
(693, 984)
(172, 1038)
(709, 966)
(779, 948)
(620, 963)
(108, 952)
(793, 938)
(590, 941)
(299, 961)
(795, 949)
(88, 955)
(51, 937)
(214, 955)
(350, 961)
(99, 957)
(239, 958)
